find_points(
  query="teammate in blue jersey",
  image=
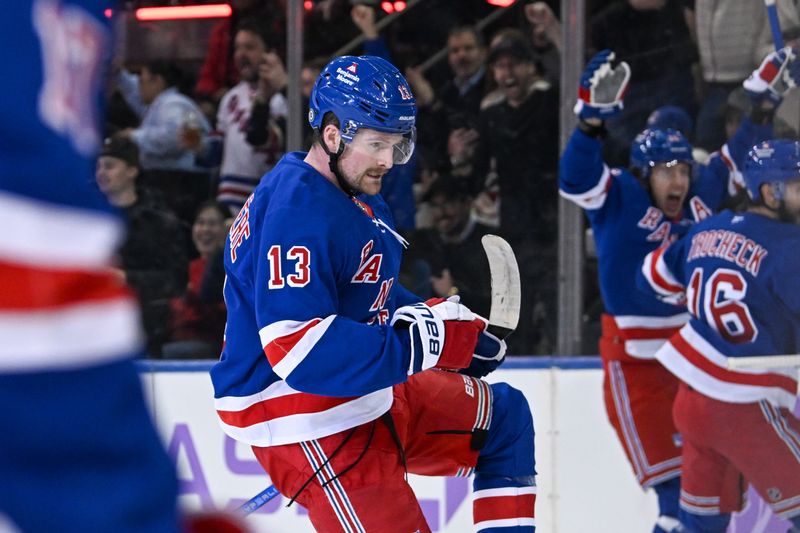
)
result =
(331, 370)
(632, 212)
(736, 272)
(78, 451)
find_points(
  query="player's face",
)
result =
(367, 158)
(114, 176)
(248, 49)
(208, 231)
(514, 76)
(791, 201)
(464, 54)
(669, 185)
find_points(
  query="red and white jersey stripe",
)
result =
(696, 362)
(61, 307)
(644, 335)
(280, 414)
(595, 197)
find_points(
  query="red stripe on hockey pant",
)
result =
(27, 288)
(503, 507)
(278, 348)
(460, 338)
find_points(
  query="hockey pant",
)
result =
(440, 424)
(727, 445)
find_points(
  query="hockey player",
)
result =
(632, 213)
(78, 451)
(737, 275)
(331, 369)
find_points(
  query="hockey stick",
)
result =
(506, 298)
(258, 500)
(774, 24)
(503, 319)
(764, 361)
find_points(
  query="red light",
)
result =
(500, 3)
(399, 6)
(108, 13)
(184, 12)
(387, 6)
(308, 5)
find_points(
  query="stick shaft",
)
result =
(774, 23)
(258, 500)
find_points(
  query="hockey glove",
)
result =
(779, 72)
(443, 334)
(602, 87)
(490, 352)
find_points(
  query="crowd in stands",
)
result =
(181, 165)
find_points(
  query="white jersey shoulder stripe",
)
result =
(50, 235)
(69, 337)
(595, 197)
(301, 349)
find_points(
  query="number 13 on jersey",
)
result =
(300, 256)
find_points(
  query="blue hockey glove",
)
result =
(602, 87)
(490, 352)
(778, 72)
(443, 333)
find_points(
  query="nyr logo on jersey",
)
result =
(653, 220)
(369, 268)
(72, 43)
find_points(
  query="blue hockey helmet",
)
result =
(776, 162)
(365, 92)
(654, 146)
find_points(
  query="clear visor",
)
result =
(387, 148)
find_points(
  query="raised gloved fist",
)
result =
(777, 73)
(602, 87)
(443, 333)
(490, 352)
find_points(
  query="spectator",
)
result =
(164, 113)
(456, 104)
(251, 117)
(653, 38)
(153, 259)
(729, 37)
(519, 140)
(219, 72)
(452, 249)
(198, 316)
(545, 33)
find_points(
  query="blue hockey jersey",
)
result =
(61, 308)
(627, 226)
(737, 274)
(312, 280)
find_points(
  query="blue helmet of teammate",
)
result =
(654, 146)
(365, 92)
(775, 162)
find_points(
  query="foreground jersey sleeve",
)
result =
(300, 271)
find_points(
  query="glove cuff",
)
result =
(595, 132)
(461, 337)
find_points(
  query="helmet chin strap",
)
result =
(333, 164)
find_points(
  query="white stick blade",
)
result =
(506, 297)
